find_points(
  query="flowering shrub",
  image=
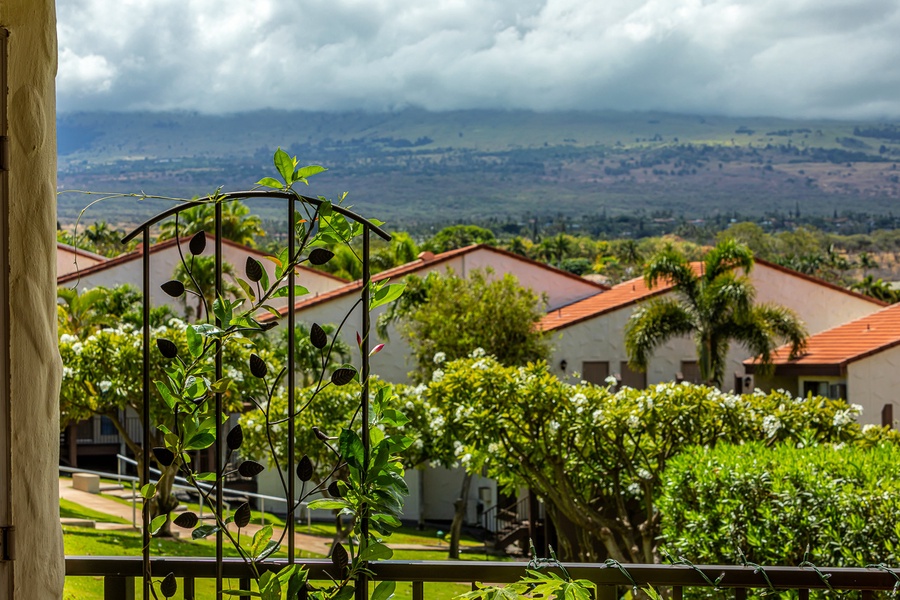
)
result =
(771, 504)
(595, 455)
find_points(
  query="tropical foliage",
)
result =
(830, 504)
(451, 315)
(595, 455)
(715, 306)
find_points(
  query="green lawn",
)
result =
(81, 541)
(70, 510)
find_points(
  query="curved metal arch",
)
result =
(230, 196)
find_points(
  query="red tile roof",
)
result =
(80, 251)
(635, 290)
(427, 260)
(135, 254)
(846, 343)
(621, 295)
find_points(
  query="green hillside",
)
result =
(417, 168)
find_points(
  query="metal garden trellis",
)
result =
(292, 199)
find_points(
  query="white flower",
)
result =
(477, 353)
(77, 347)
(868, 427)
(842, 417)
(554, 426)
(493, 447)
(634, 489)
(611, 380)
(597, 415)
(856, 409)
(437, 375)
(67, 338)
(634, 421)
(67, 372)
(771, 425)
(481, 364)
(579, 399)
(105, 385)
(439, 357)
(644, 474)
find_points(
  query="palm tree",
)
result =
(715, 307)
(875, 288)
(238, 224)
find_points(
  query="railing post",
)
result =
(118, 588)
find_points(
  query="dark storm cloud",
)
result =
(812, 58)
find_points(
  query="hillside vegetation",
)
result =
(419, 169)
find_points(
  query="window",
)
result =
(595, 371)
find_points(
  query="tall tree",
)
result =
(715, 306)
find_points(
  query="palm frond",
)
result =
(652, 324)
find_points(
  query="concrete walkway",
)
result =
(310, 543)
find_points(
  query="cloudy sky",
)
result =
(792, 58)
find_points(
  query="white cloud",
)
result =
(809, 58)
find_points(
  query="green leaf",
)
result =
(148, 491)
(260, 539)
(292, 577)
(285, 166)
(384, 590)
(351, 449)
(168, 397)
(205, 476)
(248, 291)
(157, 523)
(386, 293)
(270, 548)
(204, 531)
(345, 593)
(302, 173)
(200, 441)
(283, 291)
(376, 551)
(221, 386)
(195, 341)
(270, 586)
(270, 182)
(329, 504)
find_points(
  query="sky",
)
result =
(786, 58)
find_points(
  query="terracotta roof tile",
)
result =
(635, 290)
(621, 295)
(846, 343)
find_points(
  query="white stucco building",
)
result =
(165, 257)
(589, 335)
(858, 361)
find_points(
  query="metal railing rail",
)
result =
(184, 486)
(119, 575)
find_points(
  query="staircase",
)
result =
(508, 528)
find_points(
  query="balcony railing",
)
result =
(119, 575)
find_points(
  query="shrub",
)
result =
(840, 501)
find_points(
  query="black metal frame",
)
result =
(291, 198)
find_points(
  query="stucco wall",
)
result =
(821, 307)
(602, 338)
(163, 263)
(873, 382)
(35, 369)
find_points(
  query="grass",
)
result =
(80, 541)
(70, 510)
(90, 542)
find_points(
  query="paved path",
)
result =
(96, 502)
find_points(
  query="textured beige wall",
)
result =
(35, 365)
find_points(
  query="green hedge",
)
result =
(841, 501)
